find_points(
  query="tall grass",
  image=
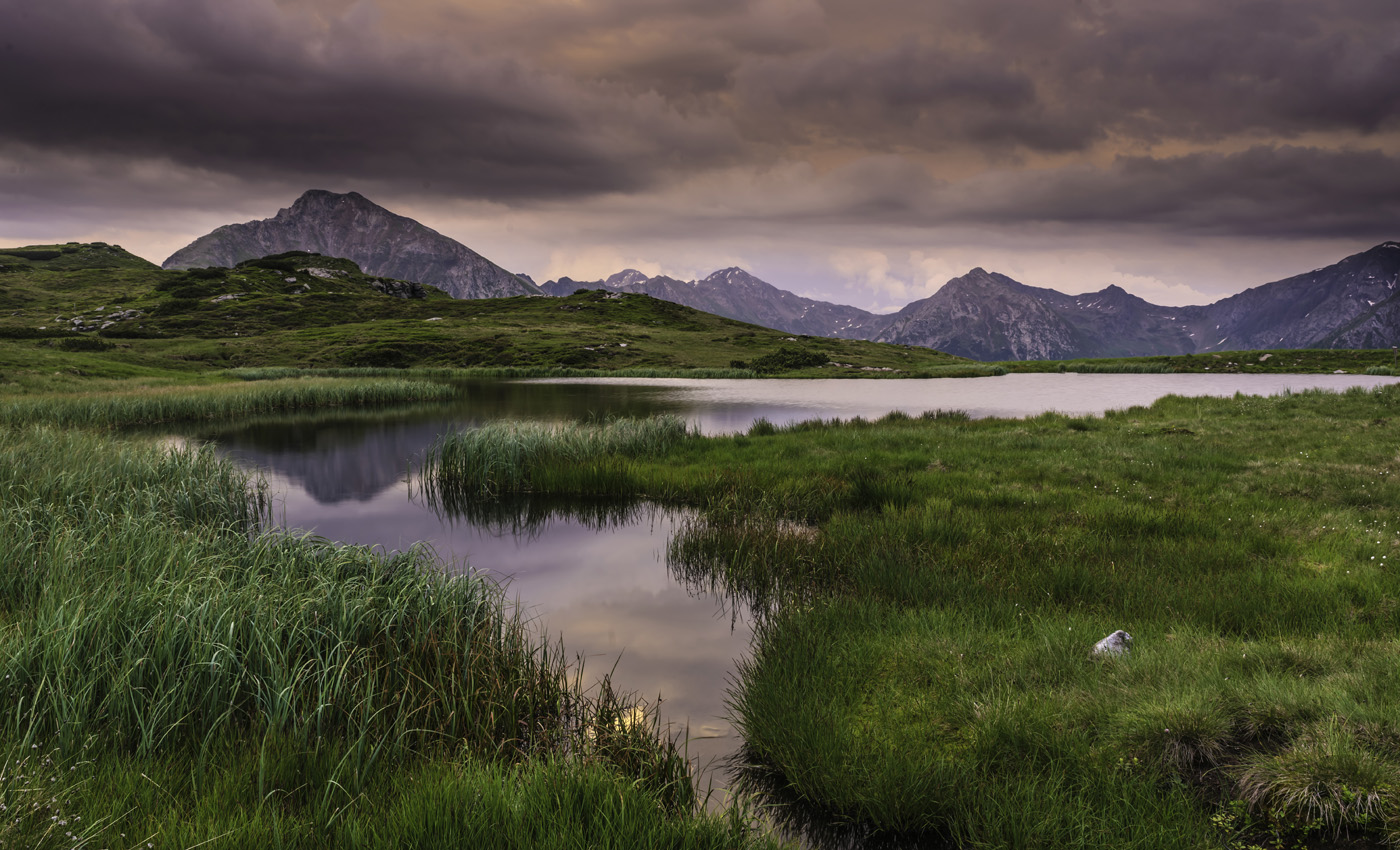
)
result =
(1119, 367)
(151, 637)
(576, 459)
(473, 372)
(221, 401)
(960, 370)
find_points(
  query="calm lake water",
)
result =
(604, 586)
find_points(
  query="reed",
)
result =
(221, 401)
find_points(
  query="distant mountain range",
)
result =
(983, 315)
(351, 226)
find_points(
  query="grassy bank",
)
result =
(155, 405)
(1297, 361)
(170, 675)
(468, 373)
(936, 587)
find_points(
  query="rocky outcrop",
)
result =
(350, 226)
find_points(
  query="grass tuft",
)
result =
(1328, 778)
(519, 457)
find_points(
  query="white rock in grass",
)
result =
(1117, 643)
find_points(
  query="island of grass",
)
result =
(935, 587)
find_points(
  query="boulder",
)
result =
(1118, 643)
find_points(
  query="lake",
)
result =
(601, 581)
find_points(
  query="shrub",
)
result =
(786, 360)
(84, 343)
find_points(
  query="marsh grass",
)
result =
(220, 401)
(493, 372)
(922, 665)
(575, 459)
(209, 682)
(1121, 368)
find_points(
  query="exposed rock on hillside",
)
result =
(351, 226)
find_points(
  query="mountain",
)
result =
(987, 316)
(981, 315)
(735, 294)
(1351, 304)
(353, 227)
(986, 313)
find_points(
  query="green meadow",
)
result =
(935, 586)
(930, 590)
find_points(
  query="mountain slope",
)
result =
(1317, 309)
(736, 294)
(1354, 303)
(351, 226)
(989, 315)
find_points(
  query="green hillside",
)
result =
(99, 311)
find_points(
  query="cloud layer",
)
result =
(1259, 120)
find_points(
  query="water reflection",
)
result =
(596, 573)
(529, 517)
(592, 573)
(345, 456)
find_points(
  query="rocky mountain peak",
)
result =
(350, 225)
(626, 277)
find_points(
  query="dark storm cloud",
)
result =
(562, 99)
(910, 96)
(1264, 191)
(1201, 71)
(250, 89)
(1058, 76)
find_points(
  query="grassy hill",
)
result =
(98, 311)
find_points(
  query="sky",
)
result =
(856, 151)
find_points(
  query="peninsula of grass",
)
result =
(933, 589)
(172, 677)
